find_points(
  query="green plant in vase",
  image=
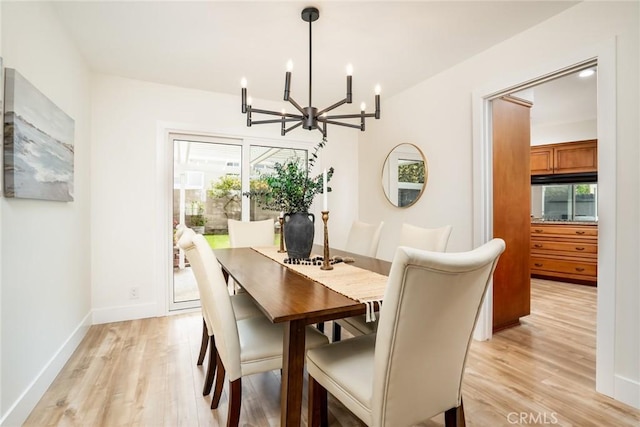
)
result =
(291, 188)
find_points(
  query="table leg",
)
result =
(292, 373)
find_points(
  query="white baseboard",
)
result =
(627, 391)
(22, 407)
(122, 313)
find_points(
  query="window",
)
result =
(565, 202)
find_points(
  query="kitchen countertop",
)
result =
(560, 222)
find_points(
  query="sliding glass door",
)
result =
(209, 176)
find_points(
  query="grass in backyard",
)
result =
(217, 241)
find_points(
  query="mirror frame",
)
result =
(384, 174)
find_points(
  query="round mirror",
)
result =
(404, 175)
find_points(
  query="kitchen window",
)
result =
(565, 202)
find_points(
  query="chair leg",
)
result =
(318, 415)
(336, 332)
(203, 343)
(235, 401)
(211, 367)
(454, 417)
(217, 391)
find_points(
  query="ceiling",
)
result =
(212, 45)
(568, 99)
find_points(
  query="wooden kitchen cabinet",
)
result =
(566, 157)
(541, 160)
(575, 157)
(567, 252)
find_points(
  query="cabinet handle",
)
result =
(537, 264)
(579, 269)
(537, 230)
(537, 245)
(579, 232)
(579, 249)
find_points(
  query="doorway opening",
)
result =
(602, 55)
(544, 144)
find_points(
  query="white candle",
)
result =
(324, 190)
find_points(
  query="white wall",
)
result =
(45, 279)
(552, 133)
(128, 182)
(436, 115)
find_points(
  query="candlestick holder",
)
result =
(326, 264)
(281, 221)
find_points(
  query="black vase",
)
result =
(298, 234)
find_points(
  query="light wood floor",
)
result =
(143, 373)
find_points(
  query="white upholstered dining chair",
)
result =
(427, 239)
(243, 305)
(242, 346)
(363, 238)
(412, 369)
(244, 234)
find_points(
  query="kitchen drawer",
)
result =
(549, 266)
(564, 231)
(588, 250)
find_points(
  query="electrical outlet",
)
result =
(134, 293)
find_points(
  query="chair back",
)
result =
(430, 308)
(426, 239)
(363, 238)
(244, 234)
(180, 228)
(215, 299)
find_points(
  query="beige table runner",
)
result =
(353, 282)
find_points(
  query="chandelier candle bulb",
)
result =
(283, 131)
(349, 83)
(287, 80)
(243, 85)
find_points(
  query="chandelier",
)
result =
(310, 117)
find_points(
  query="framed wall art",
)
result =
(38, 143)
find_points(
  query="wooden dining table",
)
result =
(287, 297)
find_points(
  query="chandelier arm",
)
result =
(273, 113)
(349, 125)
(351, 116)
(336, 105)
(293, 127)
(261, 122)
(295, 104)
(322, 127)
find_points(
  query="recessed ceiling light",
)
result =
(586, 73)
